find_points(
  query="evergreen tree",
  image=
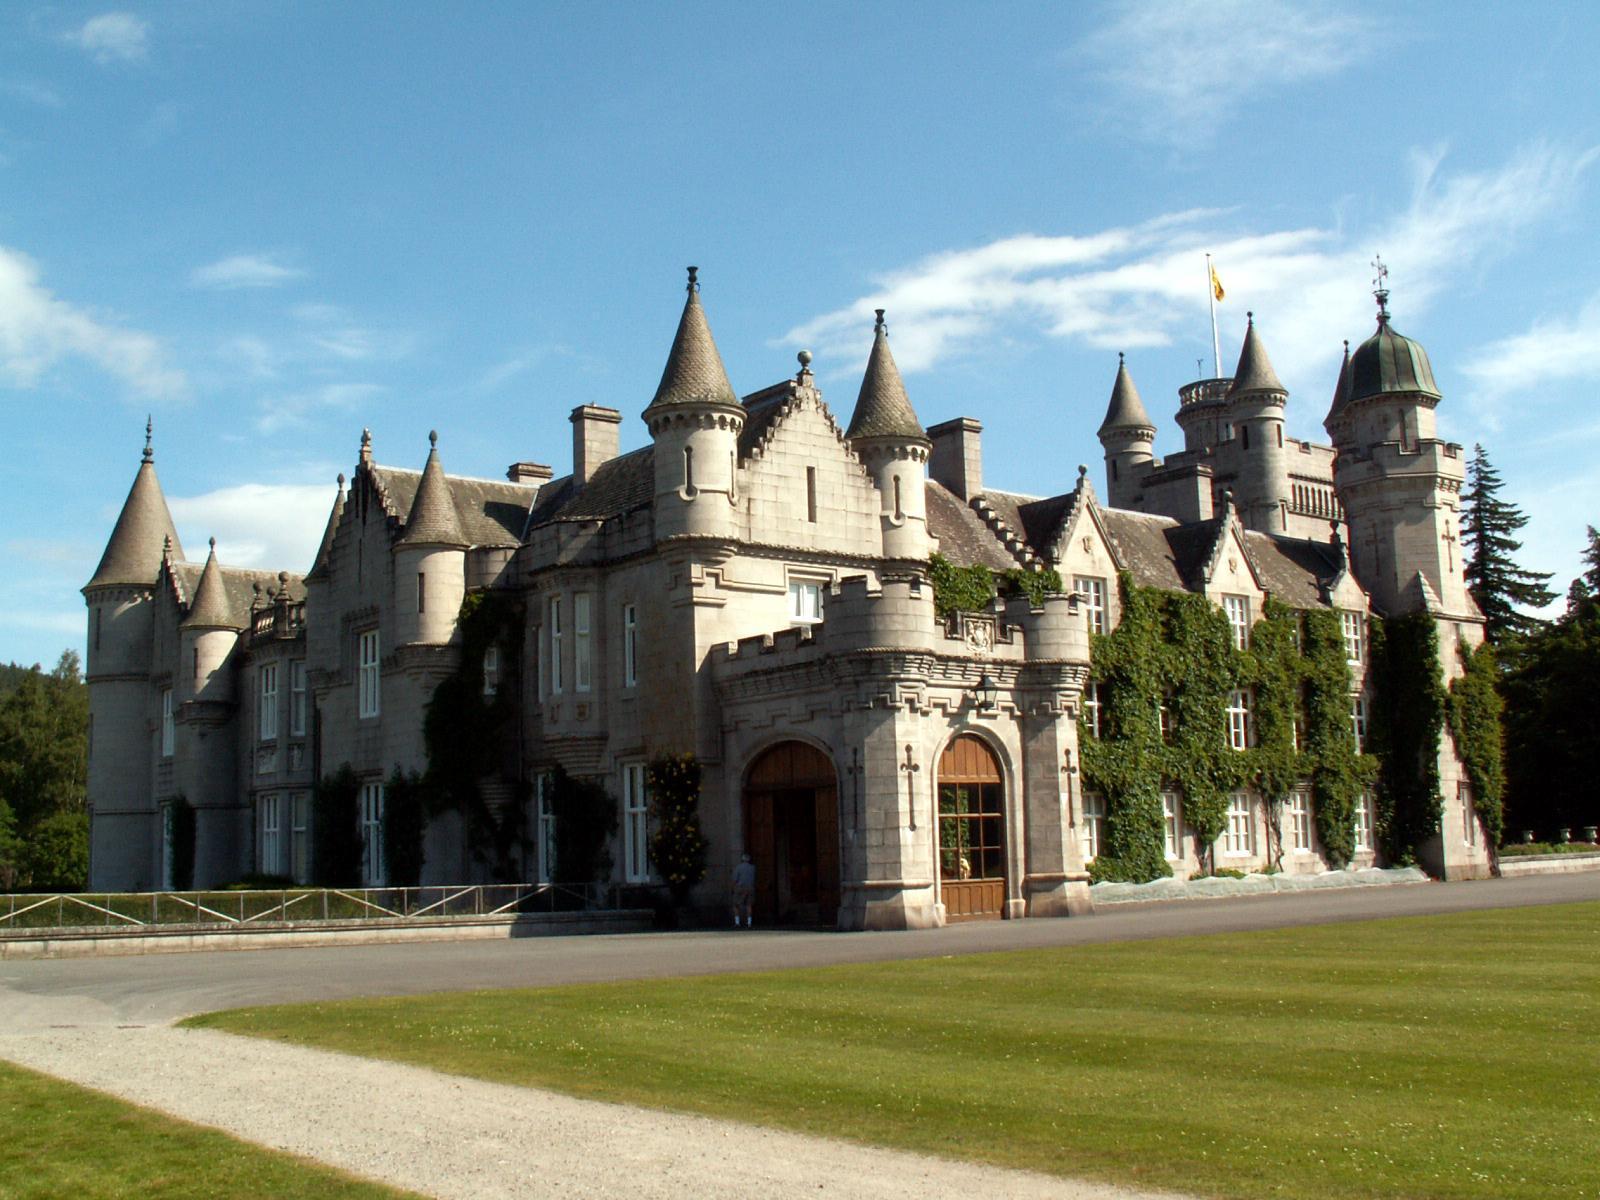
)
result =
(1497, 583)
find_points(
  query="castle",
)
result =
(753, 587)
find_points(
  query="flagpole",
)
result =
(1216, 343)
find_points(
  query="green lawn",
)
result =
(62, 1140)
(1445, 1056)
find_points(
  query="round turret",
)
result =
(1128, 436)
(1255, 409)
(892, 445)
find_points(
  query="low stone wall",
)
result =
(179, 938)
(1214, 886)
(1548, 864)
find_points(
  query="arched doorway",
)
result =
(972, 831)
(791, 828)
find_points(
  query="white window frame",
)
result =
(805, 600)
(556, 636)
(1239, 838)
(1092, 594)
(300, 837)
(545, 819)
(297, 697)
(1366, 817)
(1241, 720)
(369, 681)
(635, 825)
(1358, 721)
(491, 670)
(267, 708)
(630, 645)
(582, 645)
(372, 805)
(1237, 609)
(169, 731)
(1172, 833)
(1298, 811)
(1094, 825)
(1355, 636)
(1091, 708)
(1469, 817)
(270, 861)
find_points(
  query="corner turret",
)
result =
(430, 560)
(1255, 409)
(892, 445)
(1128, 436)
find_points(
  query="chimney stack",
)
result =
(529, 472)
(957, 457)
(595, 437)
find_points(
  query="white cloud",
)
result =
(37, 330)
(1552, 350)
(331, 330)
(1179, 69)
(294, 409)
(265, 526)
(112, 37)
(1144, 285)
(244, 271)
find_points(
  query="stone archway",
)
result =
(791, 829)
(972, 831)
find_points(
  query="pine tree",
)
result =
(1497, 583)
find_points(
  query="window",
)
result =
(583, 669)
(555, 645)
(1092, 593)
(1172, 825)
(1091, 708)
(1239, 839)
(168, 732)
(635, 825)
(1366, 818)
(169, 858)
(297, 698)
(805, 602)
(1241, 727)
(1355, 636)
(1469, 817)
(491, 670)
(367, 699)
(546, 802)
(1358, 722)
(1169, 719)
(1094, 825)
(299, 841)
(811, 495)
(1300, 821)
(270, 861)
(372, 834)
(1244, 437)
(630, 645)
(422, 591)
(267, 713)
(1238, 610)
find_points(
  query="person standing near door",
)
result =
(744, 890)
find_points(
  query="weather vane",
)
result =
(1380, 286)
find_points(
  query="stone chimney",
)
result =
(595, 434)
(957, 458)
(529, 472)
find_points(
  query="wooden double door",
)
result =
(791, 814)
(972, 832)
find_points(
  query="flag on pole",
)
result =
(1216, 285)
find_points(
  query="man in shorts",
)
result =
(744, 890)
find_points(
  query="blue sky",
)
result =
(272, 225)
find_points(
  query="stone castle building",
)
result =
(753, 587)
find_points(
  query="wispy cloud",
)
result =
(245, 271)
(256, 524)
(1143, 285)
(334, 331)
(112, 37)
(1554, 349)
(37, 330)
(32, 92)
(292, 409)
(1178, 70)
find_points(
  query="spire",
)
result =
(882, 408)
(210, 607)
(1126, 410)
(1341, 391)
(319, 565)
(133, 555)
(694, 373)
(433, 520)
(1254, 372)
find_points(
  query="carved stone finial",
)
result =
(283, 578)
(1083, 471)
(694, 279)
(341, 481)
(433, 439)
(213, 545)
(880, 323)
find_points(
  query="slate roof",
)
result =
(882, 407)
(133, 555)
(1126, 410)
(237, 591)
(963, 536)
(1035, 520)
(433, 520)
(1293, 570)
(1254, 373)
(319, 564)
(491, 511)
(1341, 390)
(694, 373)
(619, 485)
(1154, 549)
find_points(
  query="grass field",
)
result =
(1449, 1056)
(62, 1141)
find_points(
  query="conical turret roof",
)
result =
(1341, 391)
(1126, 410)
(210, 607)
(133, 555)
(433, 520)
(319, 564)
(883, 409)
(1255, 373)
(694, 372)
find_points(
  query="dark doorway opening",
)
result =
(791, 814)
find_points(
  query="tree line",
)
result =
(44, 763)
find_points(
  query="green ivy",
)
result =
(974, 588)
(336, 829)
(677, 847)
(1177, 648)
(586, 818)
(407, 798)
(1475, 710)
(1411, 716)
